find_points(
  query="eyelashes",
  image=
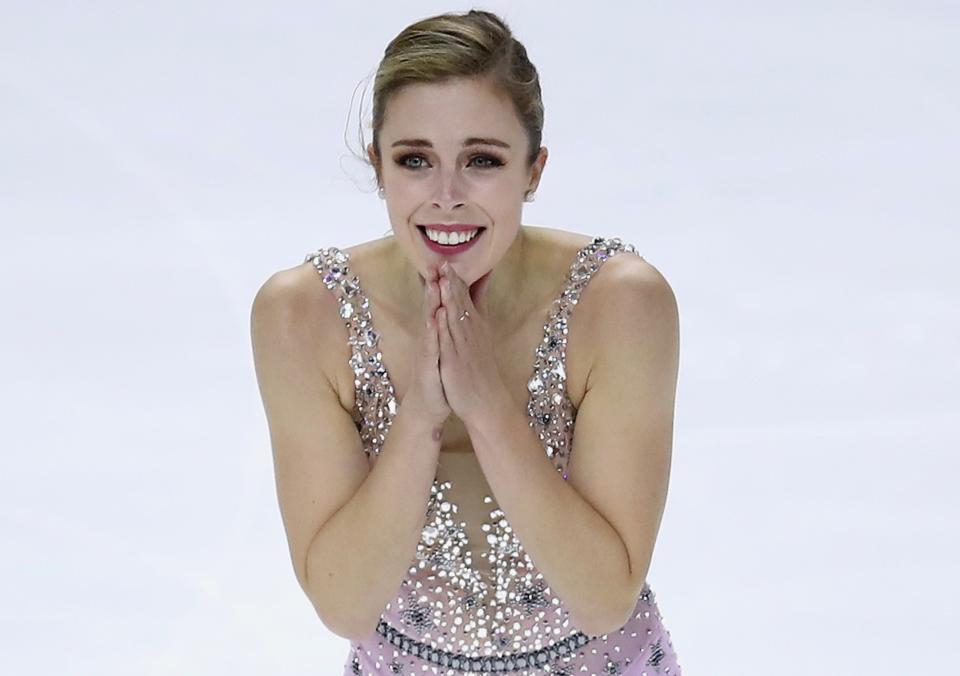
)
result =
(489, 161)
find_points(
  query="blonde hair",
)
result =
(475, 44)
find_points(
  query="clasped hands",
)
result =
(468, 367)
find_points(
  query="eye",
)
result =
(489, 161)
(416, 161)
(402, 161)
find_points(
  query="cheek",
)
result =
(408, 198)
(501, 197)
(402, 203)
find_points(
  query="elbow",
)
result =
(342, 622)
(336, 617)
(352, 631)
(351, 628)
(610, 618)
(604, 622)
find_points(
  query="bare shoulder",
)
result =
(291, 304)
(293, 314)
(624, 277)
(628, 296)
(299, 288)
(631, 305)
(296, 315)
(632, 275)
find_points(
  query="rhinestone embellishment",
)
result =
(488, 663)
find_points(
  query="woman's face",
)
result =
(454, 153)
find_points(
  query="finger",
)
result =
(449, 297)
(453, 304)
(432, 344)
(447, 346)
(432, 291)
(463, 331)
(433, 297)
(431, 302)
(427, 312)
(461, 292)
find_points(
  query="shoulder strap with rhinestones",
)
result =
(375, 402)
(588, 261)
(550, 410)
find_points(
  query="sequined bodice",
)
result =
(446, 603)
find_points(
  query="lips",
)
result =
(451, 227)
(447, 249)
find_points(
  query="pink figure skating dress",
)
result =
(447, 617)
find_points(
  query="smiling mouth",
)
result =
(423, 232)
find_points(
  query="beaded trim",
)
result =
(547, 387)
(375, 395)
(498, 664)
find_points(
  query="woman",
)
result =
(473, 423)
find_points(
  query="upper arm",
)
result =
(318, 456)
(622, 445)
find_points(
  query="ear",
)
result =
(374, 160)
(536, 170)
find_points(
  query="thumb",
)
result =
(430, 335)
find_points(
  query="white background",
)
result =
(785, 165)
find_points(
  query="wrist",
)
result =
(419, 411)
(493, 413)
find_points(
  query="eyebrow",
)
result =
(472, 141)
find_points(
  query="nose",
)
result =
(449, 191)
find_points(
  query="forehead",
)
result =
(450, 110)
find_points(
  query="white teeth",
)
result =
(443, 237)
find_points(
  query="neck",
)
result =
(504, 296)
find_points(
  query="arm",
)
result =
(593, 535)
(352, 530)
